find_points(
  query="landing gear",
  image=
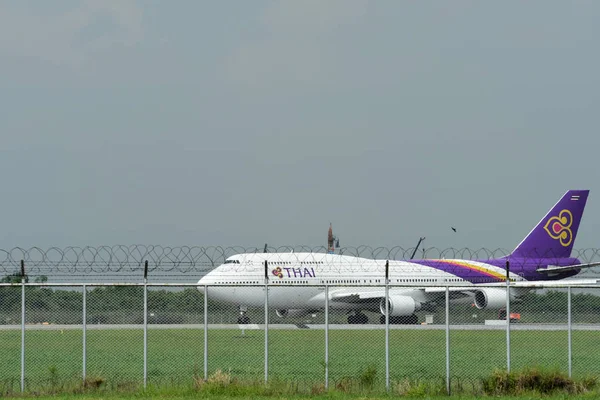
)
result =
(514, 317)
(401, 320)
(358, 318)
(243, 319)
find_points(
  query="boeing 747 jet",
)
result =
(296, 280)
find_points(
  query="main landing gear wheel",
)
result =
(358, 318)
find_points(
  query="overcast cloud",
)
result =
(240, 123)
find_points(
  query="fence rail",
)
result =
(136, 334)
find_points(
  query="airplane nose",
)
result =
(209, 279)
(203, 281)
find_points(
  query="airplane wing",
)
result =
(455, 292)
(431, 293)
(560, 283)
(357, 297)
(519, 284)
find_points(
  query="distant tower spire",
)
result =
(330, 239)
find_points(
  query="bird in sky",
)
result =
(453, 228)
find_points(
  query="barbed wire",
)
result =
(194, 259)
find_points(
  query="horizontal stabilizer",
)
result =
(557, 268)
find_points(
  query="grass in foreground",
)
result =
(529, 383)
(175, 357)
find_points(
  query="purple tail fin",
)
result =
(554, 235)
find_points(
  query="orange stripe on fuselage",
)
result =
(473, 267)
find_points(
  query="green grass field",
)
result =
(175, 357)
(178, 395)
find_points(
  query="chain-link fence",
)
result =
(60, 336)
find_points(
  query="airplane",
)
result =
(296, 280)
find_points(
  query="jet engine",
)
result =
(490, 298)
(400, 305)
(293, 313)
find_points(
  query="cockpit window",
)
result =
(232, 261)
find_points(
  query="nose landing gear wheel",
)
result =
(243, 320)
(358, 318)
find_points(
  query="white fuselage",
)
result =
(297, 280)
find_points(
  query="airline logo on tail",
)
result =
(559, 228)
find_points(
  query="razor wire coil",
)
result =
(193, 259)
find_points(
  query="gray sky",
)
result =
(240, 123)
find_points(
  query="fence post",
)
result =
(205, 332)
(570, 323)
(448, 340)
(22, 326)
(145, 323)
(387, 327)
(84, 323)
(326, 336)
(266, 322)
(507, 316)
